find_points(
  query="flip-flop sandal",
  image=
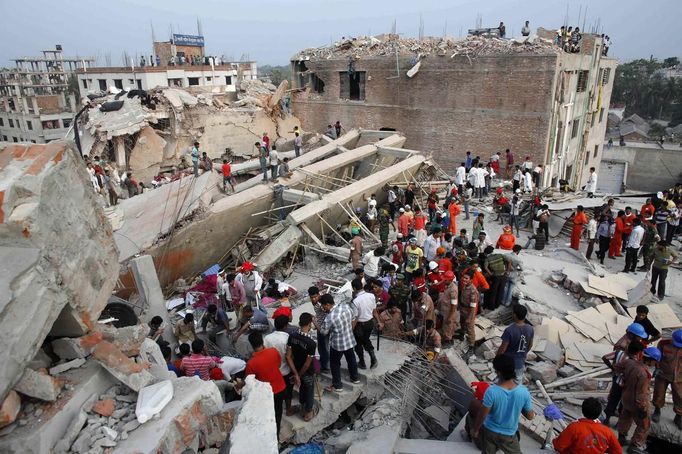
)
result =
(313, 413)
(294, 410)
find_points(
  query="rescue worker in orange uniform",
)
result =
(669, 373)
(636, 380)
(629, 221)
(579, 221)
(587, 435)
(616, 243)
(507, 240)
(454, 211)
(647, 210)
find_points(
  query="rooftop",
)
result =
(390, 44)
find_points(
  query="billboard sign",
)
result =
(188, 40)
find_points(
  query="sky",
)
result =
(271, 31)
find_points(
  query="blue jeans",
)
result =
(195, 164)
(264, 169)
(335, 363)
(507, 295)
(323, 350)
(466, 210)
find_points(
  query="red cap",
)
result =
(247, 266)
(284, 310)
(449, 276)
(500, 190)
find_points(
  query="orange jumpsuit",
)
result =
(454, 210)
(506, 241)
(579, 221)
(617, 240)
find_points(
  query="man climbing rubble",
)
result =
(517, 341)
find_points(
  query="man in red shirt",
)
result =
(264, 364)
(647, 210)
(588, 435)
(227, 176)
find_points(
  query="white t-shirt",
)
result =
(278, 340)
(365, 303)
(371, 264)
(231, 366)
(274, 157)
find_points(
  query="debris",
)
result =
(68, 348)
(63, 367)
(72, 431)
(39, 384)
(104, 407)
(133, 375)
(152, 399)
(544, 371)
(127, 339)
(10, 408)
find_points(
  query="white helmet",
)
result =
(433, 265)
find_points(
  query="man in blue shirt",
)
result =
(195, 158)
(503, 404)
(517, 340)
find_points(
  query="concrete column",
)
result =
(120, 150)
(151, 295)
(34, 103)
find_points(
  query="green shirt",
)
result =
(496, 263)
(663, 258)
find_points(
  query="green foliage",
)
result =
(276, 73)
(646, 92)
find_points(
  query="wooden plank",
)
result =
(612, 284)
(662, 316)
(312, 236)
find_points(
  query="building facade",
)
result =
(546, 103)
(36, 102)
(227, 76)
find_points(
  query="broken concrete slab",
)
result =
(256, 415)
(39, 385)
(544, 371)
(150, 353)
(127, 339)
(133, 375)
(189, 419)
(147, 154)
(68, 348)
(63, 367)
(47, 290)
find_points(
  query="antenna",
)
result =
(394, 29)
(199, 30)
(421, 27)
(445, 29)
(479, 21)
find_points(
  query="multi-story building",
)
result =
(179, 62)
(225, 75)
(36, 102)
(482, 95)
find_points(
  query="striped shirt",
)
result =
(197, 364)
(339, 325)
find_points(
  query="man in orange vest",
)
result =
(507, 240)
(579, 221)
(454, 211)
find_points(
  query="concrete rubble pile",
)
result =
(471, 46)
(70, 383)
(153, 131)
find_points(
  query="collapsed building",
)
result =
(476, 94)
(75, 383)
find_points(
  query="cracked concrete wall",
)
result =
(59, 260)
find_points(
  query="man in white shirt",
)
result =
(591, 237)
(431, 245)
(528, 164)
(274, 161)
(365, 308)
(371, 261)
(591, 185)
(460, 175)
(482, 242)
(632, 248)
(527, 181)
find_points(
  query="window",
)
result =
(209, 79)
(66, 122)
(102, 84)
(592, 120)
(352, 85)
(4, 138)
(587, 158)
(228, 80)
(29, 125)
(316, 83)
(2, 122)
(596, 151)
(606, 76)
(601, 115)
(175, 82)
(582, 81)
(14, 139)
(139, 84)
(193, 81)
(33, 141)
(118, 83)
(574, 131)
(131, 82)
(85, 84)
(11, 123)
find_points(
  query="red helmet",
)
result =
(449, 276)
(499, 191)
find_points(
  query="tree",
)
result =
(670, 62)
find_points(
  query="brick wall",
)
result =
(452, 105)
